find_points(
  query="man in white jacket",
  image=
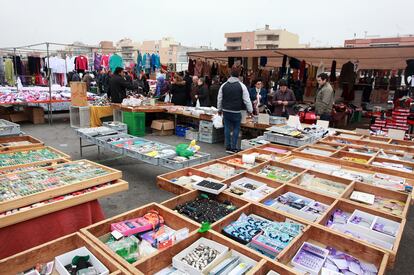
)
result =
(233, 97)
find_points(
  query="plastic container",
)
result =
(135, 123)
(169, 162)
(80, 117)
(116, 125)
(8, 128)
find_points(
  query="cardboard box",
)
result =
(163, 127)
(18, 117)
(78, 94)
(35, 114)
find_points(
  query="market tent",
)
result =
(368, 57)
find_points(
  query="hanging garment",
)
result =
(18, 63)
(157, 61)
(105, 61)
(230, 61)
(214, 69)
(283, 68)
(206, 69)
(198, 69)
(115, 61)
(321, 68)
(81, 62)
(302, 69)
(97, 61)
(263, 61)
(1, 71)
(191, 66)
(70, 63)
(139, 63)
(9, 72)
(34, 65)
(332, 77)
(347, 81)
(294, 63)
(147, 62)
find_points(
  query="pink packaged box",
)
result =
(133, 226)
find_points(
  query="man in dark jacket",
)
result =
(259, 102)
(118, 86)
(232, 98)
(213, 91)
(188, 85)
(283, 100)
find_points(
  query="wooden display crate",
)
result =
(99, 232)
(348, 183)
(258, 168)
(408, 143)
(277, 267)
(36, 165)
(382, 192)
(61, 156)
(270, 155)
(318, 236)
(205, 164)
(350, 207)
(252, 208)
(54, 192)
(302, 192)
(267, 181)
(348, 148)
(164, 183)
(47, 252)
(356, 167)
(387, 146)
(343, 154)
(305, 147)
(348, 135)
(404, 163)
(190, 196)
(24, 215)
(275, 146)
(327, 145)
(239, 157)
(164, 258)
(384, 140)
(34, 143)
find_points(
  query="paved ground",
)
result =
(141, 178)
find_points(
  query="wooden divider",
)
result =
(47, 252)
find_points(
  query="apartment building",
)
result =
(407, 40)
(265, 38)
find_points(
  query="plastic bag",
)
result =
(183, 151)
(198, 104)
(167, 98)
(217, 121)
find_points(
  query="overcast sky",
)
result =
(195, 23)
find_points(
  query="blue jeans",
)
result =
(232, 122)
(326, 117)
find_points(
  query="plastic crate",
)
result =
(116, 125)
(169, 162)
(117, 115)
(101, 141)
(135, 123)
(8, 128)
(181, 130)
(191, 135)
(122, 150)
(210, 138)
(80, 117)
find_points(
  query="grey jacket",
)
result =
(325, 98)
(246, 97)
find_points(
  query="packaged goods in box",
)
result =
(65, 263)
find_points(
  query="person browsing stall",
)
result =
(118, 86)
(283, 100)
(233, 97)
(325, 98)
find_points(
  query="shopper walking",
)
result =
(178, 91)
(232, 98)
(325, 98)
(194, 91)
(283, 100)
(118, 86)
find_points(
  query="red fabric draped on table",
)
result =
(22, 236)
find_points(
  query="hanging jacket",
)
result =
(115, 61)
(203, 96)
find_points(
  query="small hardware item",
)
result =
(205, 209)
(200, 257)
(210, 186)
(310, 258)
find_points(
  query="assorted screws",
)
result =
(201, 257)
